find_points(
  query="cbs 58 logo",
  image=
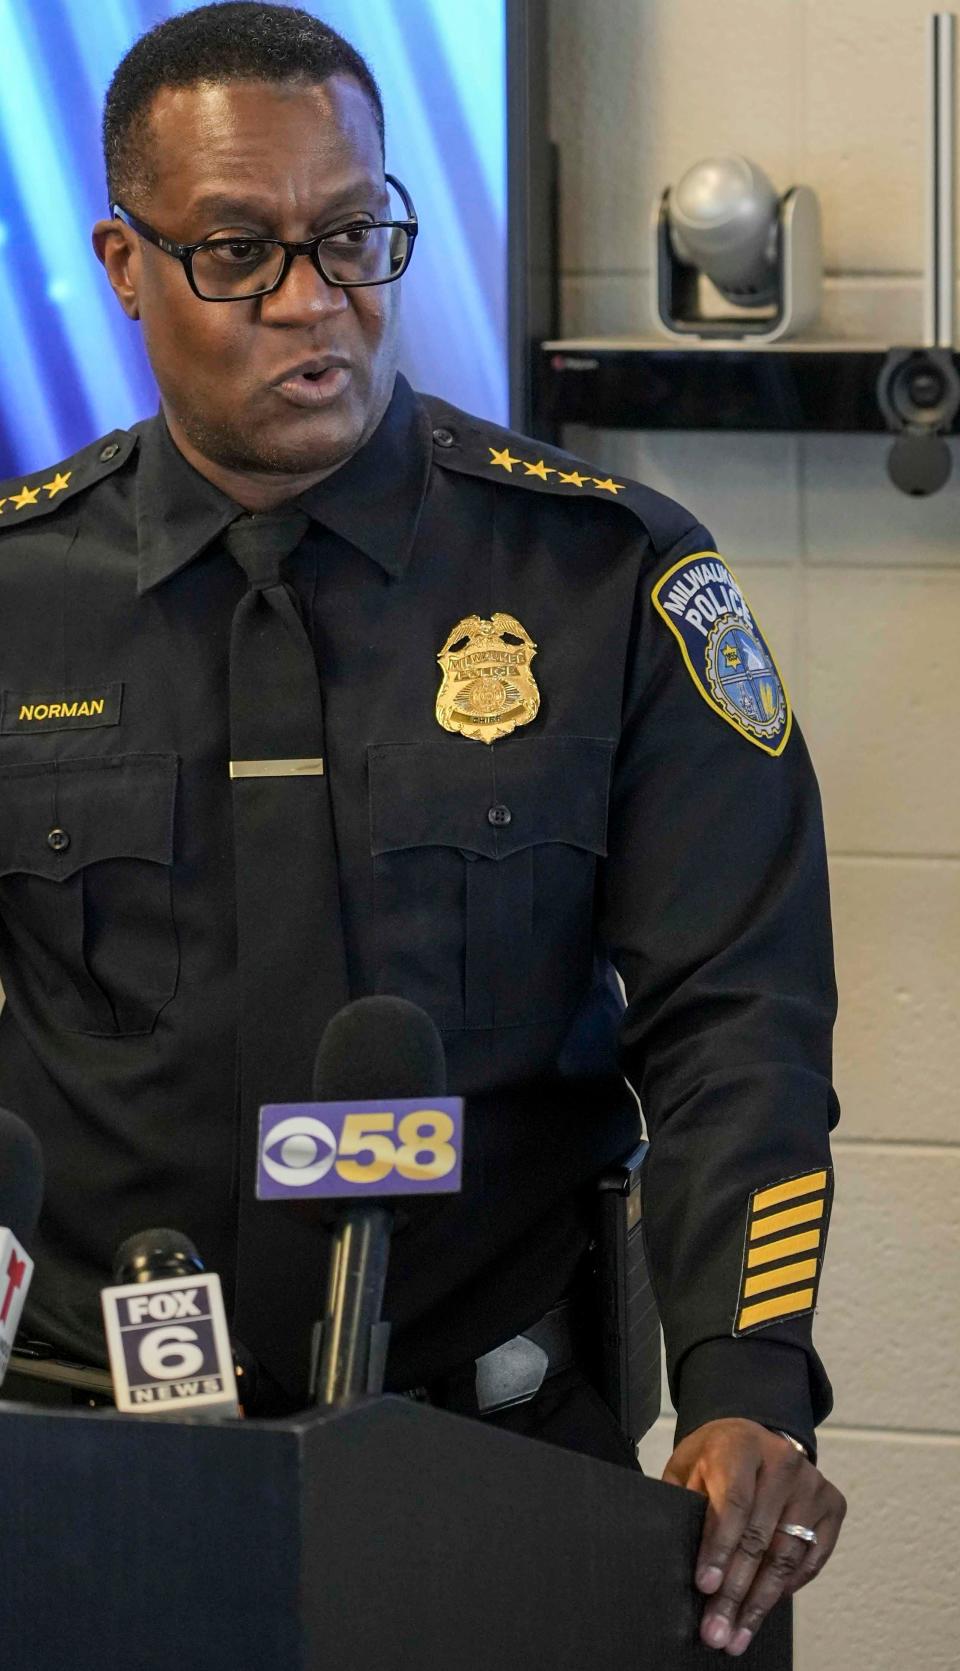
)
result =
(334, 1151)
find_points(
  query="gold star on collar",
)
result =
(26, 496)
(573, 476)
(539, 469)
(504, 459)
(58, 484)
(609, 486)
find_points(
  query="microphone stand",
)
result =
(350, 1343)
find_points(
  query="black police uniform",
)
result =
(649, 808)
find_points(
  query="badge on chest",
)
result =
(487, 688)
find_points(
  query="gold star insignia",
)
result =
(26, 496)
(58, 484)
(539, 469)
(730, 656)
(609, 486)
(504, 459)
(2, 503)
(573, 476)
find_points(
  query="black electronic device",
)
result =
(918, 392)
(630, 1322)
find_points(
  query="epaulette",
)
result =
(474, 447)
(46, 490)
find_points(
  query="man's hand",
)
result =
(754, 1480)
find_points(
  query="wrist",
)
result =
(783, 1434)
(759, 1380)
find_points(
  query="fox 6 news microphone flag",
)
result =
(21, 1192)
(167, 1335)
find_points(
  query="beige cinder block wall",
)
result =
(859, 590)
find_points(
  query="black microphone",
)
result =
(376, 1048)
(21, 1195)
(166, 1331)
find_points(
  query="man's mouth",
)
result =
(316, 386)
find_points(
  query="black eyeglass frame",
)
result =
(184, 253)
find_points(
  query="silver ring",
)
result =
(807, 1533)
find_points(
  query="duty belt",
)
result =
(511, 1373)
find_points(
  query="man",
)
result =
(207, 848)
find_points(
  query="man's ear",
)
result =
(118, 251)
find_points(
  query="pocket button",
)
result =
(59, 840)
(498, 816)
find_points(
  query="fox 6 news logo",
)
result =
(347, 1149)
(169, 1343)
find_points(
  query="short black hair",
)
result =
(234, 40)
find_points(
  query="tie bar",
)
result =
(276, 768)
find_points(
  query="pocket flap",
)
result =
(57, 816)
(491, 799)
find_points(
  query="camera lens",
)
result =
(919, 389)
(925, 388)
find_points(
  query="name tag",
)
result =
(65, 710)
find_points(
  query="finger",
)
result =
(780, 1565)
(827, 1529)
(776, 1485)
(788, 1565)
(728, 1510)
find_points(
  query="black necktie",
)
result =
(291, 962)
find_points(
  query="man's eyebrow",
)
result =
(216, 203)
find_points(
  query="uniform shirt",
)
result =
(655, 818)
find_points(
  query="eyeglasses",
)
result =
(357, 252)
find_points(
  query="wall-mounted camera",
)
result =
(722, 232)
(918, 392)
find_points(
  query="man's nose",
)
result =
(302, 296)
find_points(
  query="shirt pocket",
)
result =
(86, 907)
(485, 860)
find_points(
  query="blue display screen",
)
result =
(72, 366)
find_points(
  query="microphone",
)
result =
(379, 1047)
(380, 1076)
(21, 1193)
(375, 1047)
(166, 1331)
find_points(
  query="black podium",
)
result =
(384, 1537)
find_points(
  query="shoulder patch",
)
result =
(724, 650)
(21, 501)
(786, 1234)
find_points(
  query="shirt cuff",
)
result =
(764, 1381)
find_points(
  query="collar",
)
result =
(373, 500)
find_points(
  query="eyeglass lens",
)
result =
(236, 267)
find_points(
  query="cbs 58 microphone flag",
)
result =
(346, 1150)
(167, 1338)
(21, 1192)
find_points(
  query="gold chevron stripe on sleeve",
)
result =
(783, 1221)
(805, 1242)
(785, 1305)
(789, 1191)
(802, 1270)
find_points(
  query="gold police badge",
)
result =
(487, 688)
